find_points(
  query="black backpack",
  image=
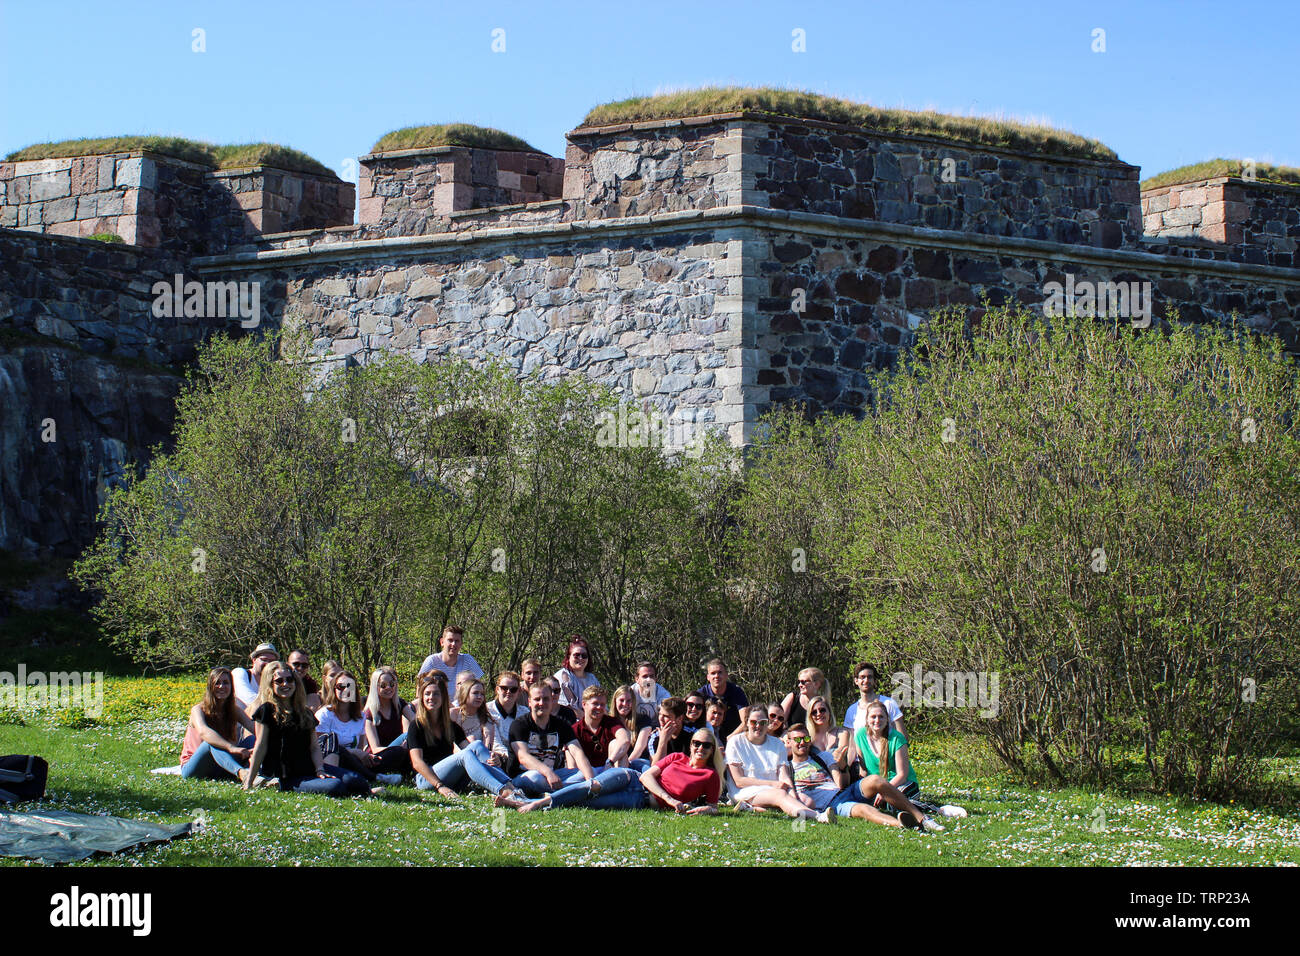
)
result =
(22, 777)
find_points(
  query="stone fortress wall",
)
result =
(708, 267)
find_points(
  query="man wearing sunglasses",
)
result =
(301, 665)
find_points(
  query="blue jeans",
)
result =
(620, 789)
(212, 763)
(465, 765)
(534, 784)
(338, 783)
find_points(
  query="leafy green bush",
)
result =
(358, 516)
(1109, 521)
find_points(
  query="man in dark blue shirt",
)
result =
(719, 686)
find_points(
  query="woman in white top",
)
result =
(472, 715)
(341, 727)
(574, 677)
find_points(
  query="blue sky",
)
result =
(1178, 82)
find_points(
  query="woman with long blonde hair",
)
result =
(286, 746)
(810, 683)
(890, 786)
(829, 741)
(472, 714)
(624, 709)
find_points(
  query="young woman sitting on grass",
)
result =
(286, 748)
(433, 742)
(639, 726)
(471, 713)
(462, 679)
(387, 719)
(830, 742)
(340, 729)
(575, 676)
(884, 757)
(760, 769)
(684, 784)
(214, 747)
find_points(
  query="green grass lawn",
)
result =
(104, 769)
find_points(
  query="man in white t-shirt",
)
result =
(451, 661)
(248, 679)
(649, 695)
(867, 679)
(760, 770)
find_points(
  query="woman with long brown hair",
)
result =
(443, 758)
(575, 676)
(214, 747)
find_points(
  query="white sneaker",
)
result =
(955, 812)
(389, 779)
(826, 816)
(743, 807)
(930, 826)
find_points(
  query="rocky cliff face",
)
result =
(70, 424)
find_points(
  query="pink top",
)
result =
(192, 743)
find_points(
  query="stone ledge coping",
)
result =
(297, 233)
(737, 216)
(85, 241)
(508, 207)
(261, 168)
(1219, 181)
(444, 150)
(752, 116)
(121, 154)
(172, 160)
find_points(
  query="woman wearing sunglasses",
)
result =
(684, 783)
(286, 747)
(341, 730)
(810, 683)
(575, 676)
(508, 704)
(830, 742)
(695, 712)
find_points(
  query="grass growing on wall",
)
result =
(189, 150)
(988, 131)
(1214, 168)
(450, 134)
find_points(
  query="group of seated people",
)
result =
(538, 741)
